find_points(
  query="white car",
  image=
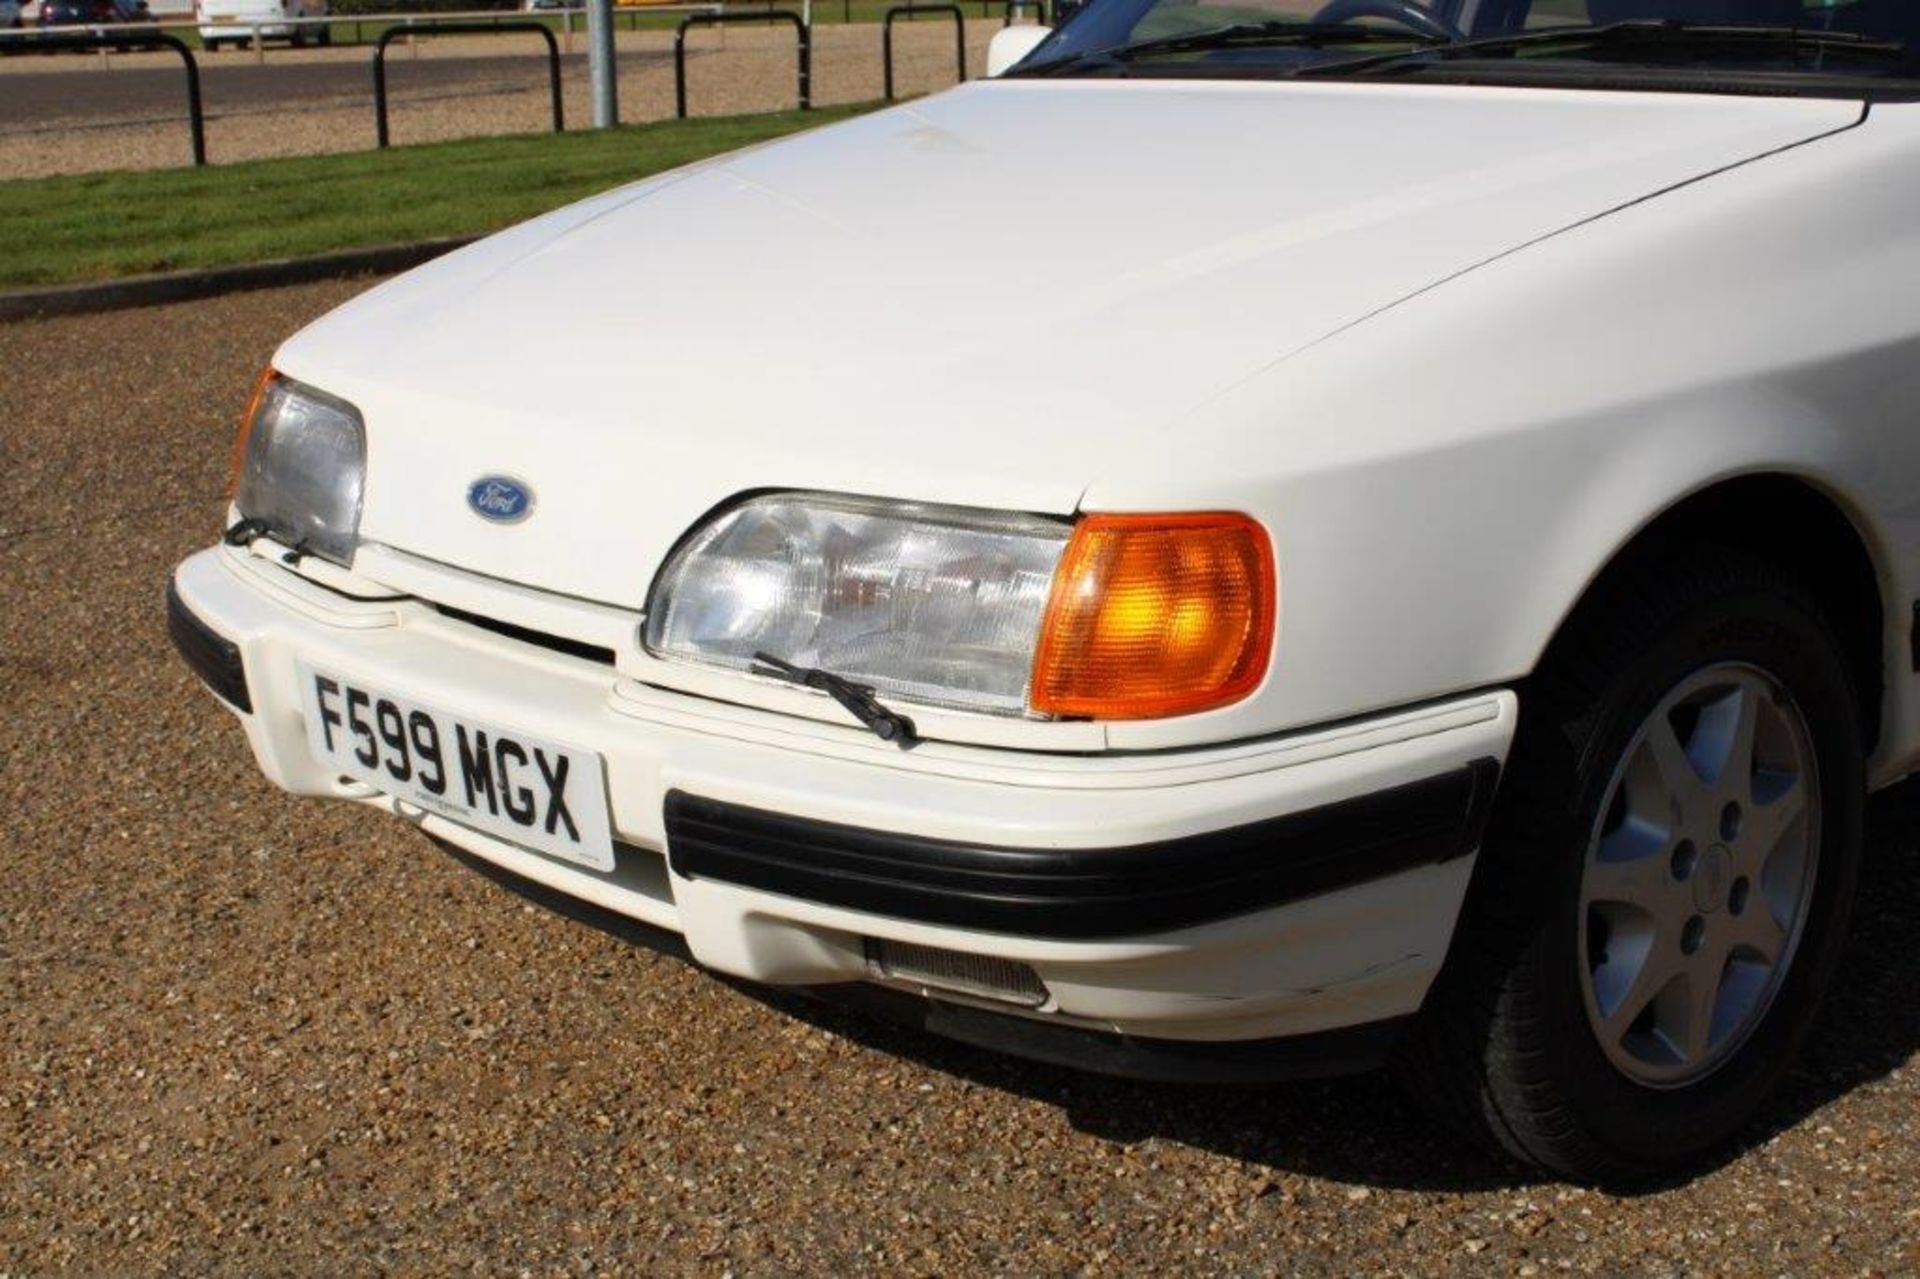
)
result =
(238, 22)
(1254, 544)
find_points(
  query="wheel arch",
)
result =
(1803, 526)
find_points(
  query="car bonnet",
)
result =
(972, 299)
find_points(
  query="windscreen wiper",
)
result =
(1242, 35)
(887, 725)
(1667, 32)
(245, 530)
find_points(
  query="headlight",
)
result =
(1116, 617)
(300, 467)
(935, 604)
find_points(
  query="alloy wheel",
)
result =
(1699, 875)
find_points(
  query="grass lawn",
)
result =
(100, 225)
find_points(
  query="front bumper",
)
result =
(1258, 891)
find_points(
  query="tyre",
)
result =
(1665, 887)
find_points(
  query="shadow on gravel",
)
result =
(1870, 1024)
(1365, 1131)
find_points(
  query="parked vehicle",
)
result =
(92, 13)
(1418, 565)
(235, 22)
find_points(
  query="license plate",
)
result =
(524, 789)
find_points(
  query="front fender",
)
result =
(1445, 479)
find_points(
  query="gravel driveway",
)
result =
(246, 1033)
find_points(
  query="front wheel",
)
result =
(1665, 889)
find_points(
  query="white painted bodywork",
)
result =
(1453, 346)
(1010, 44)
(1049, 296)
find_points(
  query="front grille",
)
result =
(527, 635)
(211, 656)
(952, 970)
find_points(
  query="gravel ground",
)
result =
(245, 1033)
(321, 100)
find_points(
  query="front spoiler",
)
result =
(1348, 1050)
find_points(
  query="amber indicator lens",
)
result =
(238, 461)
(1156, 615)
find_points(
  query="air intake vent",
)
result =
(977, 975)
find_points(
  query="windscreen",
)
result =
(1792, 44)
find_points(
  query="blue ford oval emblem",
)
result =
(500, 498)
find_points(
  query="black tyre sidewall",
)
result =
(1639, 1126)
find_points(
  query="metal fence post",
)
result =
(107, 41)
(391, 34)
(380, 90)
(803, 48)
(806, 66)
(680, 70)
(602, 69)
(886, 57)
(196, 114)
(914, 10)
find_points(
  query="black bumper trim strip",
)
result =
(210, 655)
(1084, 893)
